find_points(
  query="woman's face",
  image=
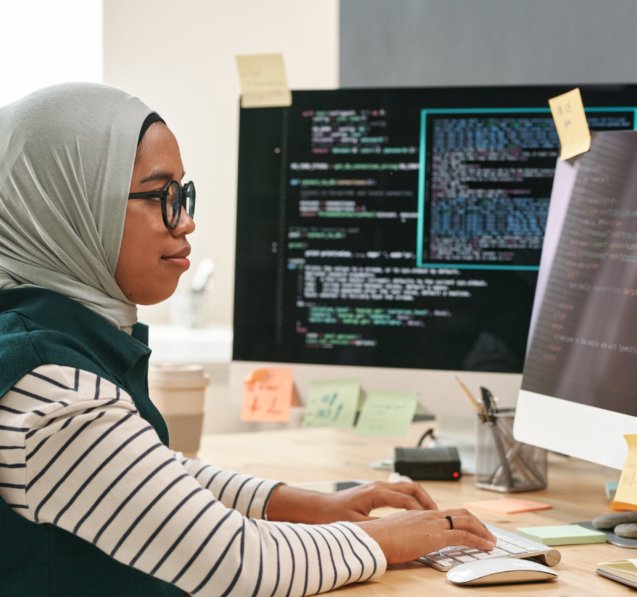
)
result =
(152, 257)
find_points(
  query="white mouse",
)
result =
(494, 571)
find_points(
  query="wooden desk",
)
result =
(576, 492)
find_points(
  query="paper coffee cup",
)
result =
(179, 392)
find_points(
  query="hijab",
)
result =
(66, 160)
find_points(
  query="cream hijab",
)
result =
(66, 160)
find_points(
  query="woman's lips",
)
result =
(179, 259)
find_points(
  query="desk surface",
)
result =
(576, 492)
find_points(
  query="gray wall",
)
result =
(471, 42)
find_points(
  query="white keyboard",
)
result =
(508, 545)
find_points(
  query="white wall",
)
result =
(44, 43)
(178, 57)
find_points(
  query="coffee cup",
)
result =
(179, 392)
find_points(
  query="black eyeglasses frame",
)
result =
(162, 196)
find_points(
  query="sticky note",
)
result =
(263, 81)
(564, 534)
(570, 122)
(387, 414)
(623, 571)
(268, 395)
(332, 404)
(611, 489)
(507, 505)
(626, 494)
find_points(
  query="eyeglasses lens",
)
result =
(173, 203)
(189, 193)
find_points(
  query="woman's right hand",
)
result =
(405, 536)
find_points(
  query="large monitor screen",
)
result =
(578, 389)
(398, 227)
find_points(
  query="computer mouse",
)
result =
(495, 571)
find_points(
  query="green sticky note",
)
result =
(387, 414)
(566, 534)
(332, 404)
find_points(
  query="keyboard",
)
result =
(508, 545)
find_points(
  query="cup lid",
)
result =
(177, 375)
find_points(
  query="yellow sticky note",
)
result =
(387, 414)
(268, 395)
(263, 81)
(332, 404)
(570, 122)
(626, 494)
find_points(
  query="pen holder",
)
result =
(504, 464)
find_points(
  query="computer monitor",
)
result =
(394, 235)
(579, 395)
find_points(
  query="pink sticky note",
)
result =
(507, 505)
(268, 395)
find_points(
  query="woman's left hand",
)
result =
(354, 504)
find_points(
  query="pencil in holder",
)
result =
(503, 463)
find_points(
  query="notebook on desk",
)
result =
(507, 545)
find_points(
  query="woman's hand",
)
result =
(355, 504)
(405, 536)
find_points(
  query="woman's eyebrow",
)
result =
(161, 175)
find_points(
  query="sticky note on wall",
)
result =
(387, 414)
(263, 81)
(268, 395)
(571, 124)
(332, 404)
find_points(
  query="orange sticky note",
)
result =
(507, 505)
(268, 395)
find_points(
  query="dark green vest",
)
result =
(39, 327)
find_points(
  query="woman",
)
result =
(93, 221)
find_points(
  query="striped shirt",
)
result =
(75, 453)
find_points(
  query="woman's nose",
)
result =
(186, 224)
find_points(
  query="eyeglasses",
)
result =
(173, 197)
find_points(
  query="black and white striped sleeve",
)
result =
(249, 495)
(75, 453)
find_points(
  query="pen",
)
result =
(516, 455)
(499, 447)
(489, 401)
(479, 408)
